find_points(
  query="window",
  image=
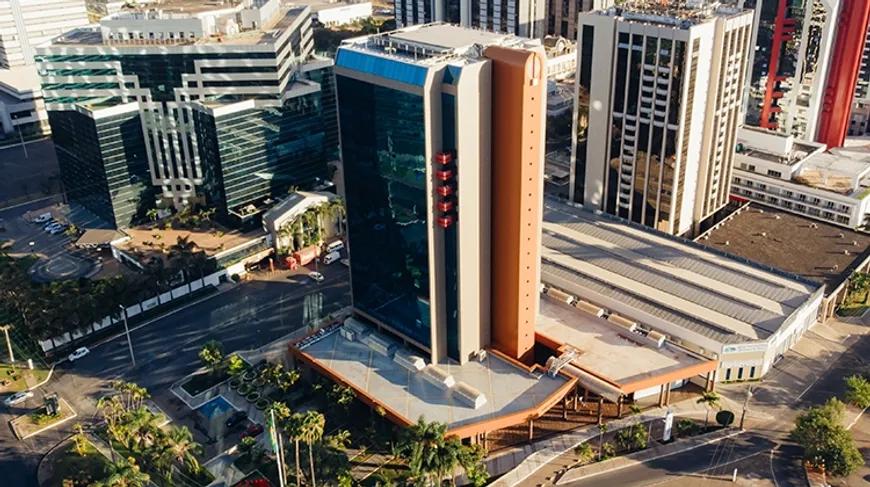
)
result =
(801, 207)
(762, 186)
(773, 199)
(844, 220)
(749, 183)
(844, 208)
(737, 180)
(828, 215)
(815, 200)
(751, 372)
(727, 374)
(751, 167)
(802, 197)
(829, 204)
(789, 193)
(740, 373)
(776, 174)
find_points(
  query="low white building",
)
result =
(561, 57)
(332, 13)
(289, 209)
(803, 177)
(22, 109)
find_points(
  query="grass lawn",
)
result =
(9, 373)
(66, 463)
(29, 423)
(202, 382)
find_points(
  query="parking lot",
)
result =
(58, 259)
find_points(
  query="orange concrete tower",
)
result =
(518, 95)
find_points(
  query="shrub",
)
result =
(40, 419)
(686, 427)
(632, 438)
(858, 391)
(608, 450)
(584, 453)
(725, 418)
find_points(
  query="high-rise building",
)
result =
(442, 146)
(793, 48)
(521, 17)
(24, 24)
(860, 117)
(189, 100)
(658, 105)
(845, 66)
(562, 15)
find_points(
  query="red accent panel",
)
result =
(445, 205)
(444, 175)
(444, 158)
(445, 190)
(840, 90)
(445, 221)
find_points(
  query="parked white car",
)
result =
(59, 229)
(53, 226)
(79, 353)
(316, 276)
(42, 218)
(17, 398)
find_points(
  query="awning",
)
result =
(591, 383)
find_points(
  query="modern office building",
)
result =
(803, 177)
(187, 100)
(562, 15)
(25, 24)
(859, 122)
(649, 145)
(521, 17)
(22, 109)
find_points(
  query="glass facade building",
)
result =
(236, 122)
(385, 162)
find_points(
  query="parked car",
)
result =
(79, 353)
(42, 218)
(331, 257)
(253, 431)
(316, 276)
(18, 397)
(48, 223)
(236, 418)
(59, 229)
(52, 226)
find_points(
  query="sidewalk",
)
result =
(643, 456)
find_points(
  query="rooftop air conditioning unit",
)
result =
(469, 395)
(409, 361)
(438, 377)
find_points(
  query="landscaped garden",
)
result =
(77, 465)
(167, 454)
(14, 378)
(42, 417)
(856, 302)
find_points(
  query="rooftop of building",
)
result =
(611, 352)
(180, 8)
(509, 388)
(792, 243)
(294, 204)
(145, 241)
(839, 170)
(318, 5)
(681, 15)
(725, 298)
(20, 83)
(429, 44)
(267, 35)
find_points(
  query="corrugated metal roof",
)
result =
(758, 297)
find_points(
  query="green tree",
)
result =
(725, 418)
(425, 449)
(181, 255)
(152, 214)
(711, 401)
(826, 442)
(632, 438)
(212, 354)
(235, 365)
(471, 459)
(180, 442)
(859, 283)
(584, 453)
(80, 443)
(608, 450)
(858, 391)
(124, 473)
(293, 430)
(310, 432)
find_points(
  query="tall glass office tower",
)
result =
(226, 103)
(429, 190)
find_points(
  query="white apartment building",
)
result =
(339, 13)
(22, 109)
(24, 24)
(803, 177)
(658, 99)
(524, 18)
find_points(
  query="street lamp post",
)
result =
(127, 331)
(5, 329)
(31, 244)
(745, 405)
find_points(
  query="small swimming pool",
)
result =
(215, 408)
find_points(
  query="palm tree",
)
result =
(282, 412)
(180, 443)
(152, 214)
(162, 459)
(287, 379)
(124, 473)
(419, 445)
(311, 431)
(182, 254)
(142, 426)
(293, 429)
(710, 400)
(338, 212)
(112, 409)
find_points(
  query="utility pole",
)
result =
(127, 331)
(23, 145)
(745, 405)
(5, 329)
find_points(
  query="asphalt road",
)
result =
(245, 317)
(784, 464)
(28, 175)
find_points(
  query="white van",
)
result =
(331, 257)
(42, 218)
(335, 246)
